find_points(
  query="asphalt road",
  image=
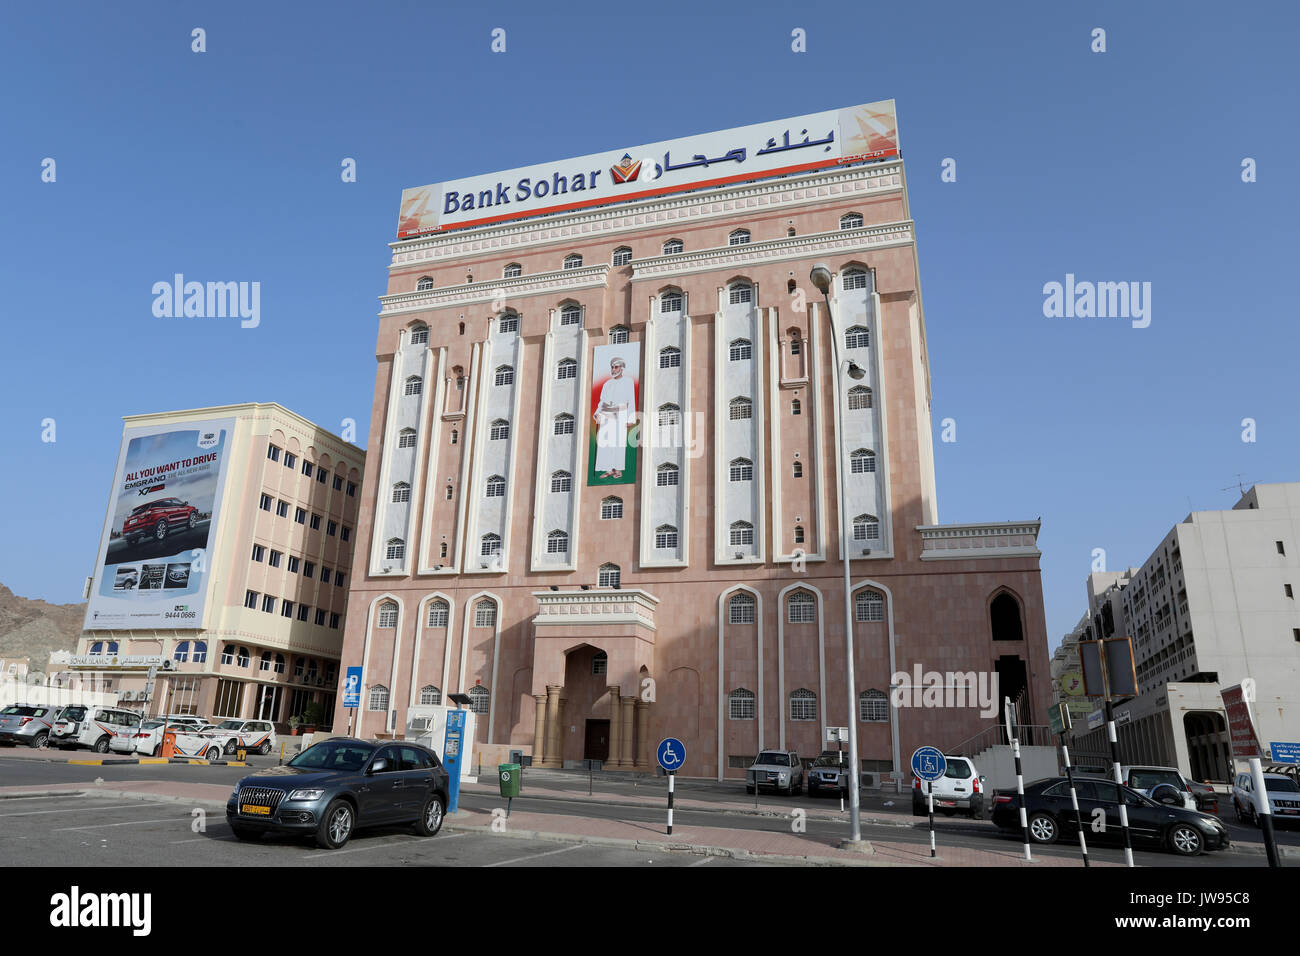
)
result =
(180, 539)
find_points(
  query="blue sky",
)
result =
(1115, 166)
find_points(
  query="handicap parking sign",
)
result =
(671, 754)
(928, 763)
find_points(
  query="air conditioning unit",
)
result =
(320, 681)
(128, 695)
(870, 780)
(169, 665)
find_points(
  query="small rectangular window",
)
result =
(320, 617)
(1280, 548)
(290, 460)
(266, 502)
(282, 509)
(293, 564)
(272, 452)
(268, 604)
(346, 533)
(1287, 590)
(300, 515)
(250, 599)
(275, 558)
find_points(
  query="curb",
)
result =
(27, 795)
(128, 762)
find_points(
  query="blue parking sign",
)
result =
(352, 688)
(929, 763)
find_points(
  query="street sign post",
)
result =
(352, 693)
(929, 764)
(1059, 718)
(1109, 672)
(1008, 719)
(671, 754)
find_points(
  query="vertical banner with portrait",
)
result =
(615, 398)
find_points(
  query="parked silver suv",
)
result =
(778, 769)
(830, 771)
(27, 724)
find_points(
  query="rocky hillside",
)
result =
(34, 629)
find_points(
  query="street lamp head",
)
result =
(821, 277)
(856, 371)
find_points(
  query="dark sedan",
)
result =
(1051, 816)
(338, 785)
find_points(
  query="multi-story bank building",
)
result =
(611, 416)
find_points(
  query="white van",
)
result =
(100, 728)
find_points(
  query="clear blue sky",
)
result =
(225, 166)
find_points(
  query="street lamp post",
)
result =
(821, 278)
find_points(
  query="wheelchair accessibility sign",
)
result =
(671, 754)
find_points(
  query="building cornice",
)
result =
(996, 539)
(469, 293)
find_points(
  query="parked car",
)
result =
(778, 769)
(1207, 798)
(1145, 780)
(830, 771)
(1283, 798)
(201, 743)
(338, 785)
(100, 728)
(157, 519)
(1051, 815)
(28, 724)
(959, 790)
(252, 735)
(148, 739)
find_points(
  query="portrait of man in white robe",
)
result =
(614, 411)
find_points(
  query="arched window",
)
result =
(396, 550)
(485, 613)
(567, 368)
(851, 220)
(670, 357)
(611, 508)
(859, 397)
(740, 294)
(798, 534)
(796, 341)
(557, 542)
(741, 350)
(857, 338)
(496, 486)
(414, 385)
(490, 544)
(666, 537)
(430, 696)
(862, 461)
(873, 706)
(479, 699)
(609, 576)
(570, 315)
(449, 492)
(406, 438)
(669, 415)
(442, 548)
(280, 662)
(200, 652)
(1004, 616)
(796, 407)
(561, 481)
(508, 322)
(401, 492)
(740, 704)
(803, 704)
(420, 335)
(670, 302)
(455, 436)
(439, 612)
(227, 653)
(798, 469)
(563, 424)
(868, 606)
(500, 430)
(738, 238)
(388, 615)
(672, 247)
(666, 475)
(599, 663)
(505, 375)
(378, 698)
(619, 334)
(423, 284)
(740, 409)
(242, 657)
(741, 469)
(182, 652)
(622, 256)
(866, 528)
(740, 609)
(801, 608)
(742, 533)
(855, 279)
(512, 271)
(573, 261)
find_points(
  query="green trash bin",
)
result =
(510, 777)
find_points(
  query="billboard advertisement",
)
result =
(615, 393)
(805, 143)
(153, 567)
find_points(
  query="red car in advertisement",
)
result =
(159, 518)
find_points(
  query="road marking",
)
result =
(536, 856)
(120, 806)
(707, 859)
(380, 846)
(129, 823)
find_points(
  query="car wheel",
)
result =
(1185, 840)
(244, 833)
(101, 745)
(213, 754)
(1236, 808)
(1255, 820)
(1043, 828)
(430, 821)
(336, 825)
(160, 530)
(41, 741)
(230, 748)
(193, 520)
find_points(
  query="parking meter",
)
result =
(452, 752)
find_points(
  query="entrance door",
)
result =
(597, 745)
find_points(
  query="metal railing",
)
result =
(1031, 735)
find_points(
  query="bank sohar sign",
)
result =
(800, 144)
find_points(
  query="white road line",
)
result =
(380, 846)
(120, 806)
(707, 859)
(201, 840)
(129, 823)
(536, 856)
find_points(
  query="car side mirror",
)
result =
(379, 766)
(983, 778)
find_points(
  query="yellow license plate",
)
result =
(255, 810)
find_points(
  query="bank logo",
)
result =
(626, 170)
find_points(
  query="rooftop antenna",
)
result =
(1240, 487)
